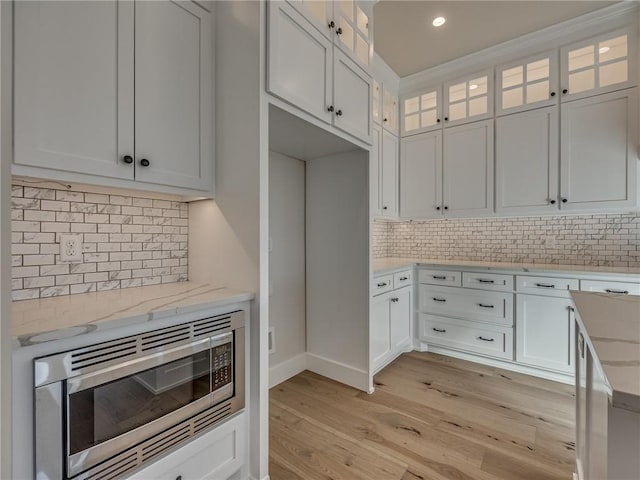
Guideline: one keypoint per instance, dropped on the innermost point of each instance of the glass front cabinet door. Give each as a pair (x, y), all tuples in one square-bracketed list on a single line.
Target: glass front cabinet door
[(469, 99), (421, 112)]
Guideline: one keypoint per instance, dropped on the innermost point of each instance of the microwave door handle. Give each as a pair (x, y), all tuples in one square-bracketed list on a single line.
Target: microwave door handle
[(131, 367)]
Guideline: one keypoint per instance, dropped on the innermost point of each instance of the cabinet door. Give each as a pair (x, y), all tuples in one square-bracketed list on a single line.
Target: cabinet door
[(390, 112), (351, 98), (527, 161), (469, 99), (380, 328), (421, 112), (599, 65), (468, 169), (73, 86), (421, 176), (599, 154), (389, 175), (299, 64), (401, 331), (174, 94), (545, 332), (526, 84), (317, 12), (353, 30), (377, 101), (375, 172)]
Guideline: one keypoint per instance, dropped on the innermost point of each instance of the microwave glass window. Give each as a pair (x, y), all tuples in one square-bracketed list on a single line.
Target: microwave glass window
[(111, 409)]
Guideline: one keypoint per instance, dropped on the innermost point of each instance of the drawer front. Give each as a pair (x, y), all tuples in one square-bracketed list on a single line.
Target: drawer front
[(488, 281), (623, 288), (382, 284), (471, 337), (467, 303), (440, 277), (402, 279), (548, 286)]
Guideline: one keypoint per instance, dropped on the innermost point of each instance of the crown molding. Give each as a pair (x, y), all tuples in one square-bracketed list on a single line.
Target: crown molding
[(554, 36)]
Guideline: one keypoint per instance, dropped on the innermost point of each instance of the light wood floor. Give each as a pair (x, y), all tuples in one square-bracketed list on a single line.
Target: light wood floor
[(431, 417)]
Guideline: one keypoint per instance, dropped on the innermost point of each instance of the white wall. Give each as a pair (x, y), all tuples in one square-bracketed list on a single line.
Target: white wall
[(228, 237), (5, 239), (286, 266), (338, 267)]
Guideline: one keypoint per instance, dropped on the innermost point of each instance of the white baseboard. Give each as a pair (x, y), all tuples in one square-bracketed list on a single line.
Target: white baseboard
[(354, 377), (514, 367), (287, 369)]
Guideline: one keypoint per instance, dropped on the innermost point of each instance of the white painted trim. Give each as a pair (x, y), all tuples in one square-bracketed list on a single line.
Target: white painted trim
[(287, 369), (354, 377), (408, 347), (534, 372), (584, 26)]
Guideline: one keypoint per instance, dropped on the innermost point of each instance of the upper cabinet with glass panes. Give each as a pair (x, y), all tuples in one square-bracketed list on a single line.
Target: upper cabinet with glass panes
[(528, 83), (346, 22), (421, 112), (468, 99), (598, 65)]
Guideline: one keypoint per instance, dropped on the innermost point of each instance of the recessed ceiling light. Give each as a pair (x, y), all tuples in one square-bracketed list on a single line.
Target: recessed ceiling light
[(438, 21), (473, 86), (604, 49)]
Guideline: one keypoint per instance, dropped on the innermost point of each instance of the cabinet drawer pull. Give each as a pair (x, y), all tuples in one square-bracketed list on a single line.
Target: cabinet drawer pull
[(439, 277), (439, 330), (403, 279), (545, 285), (382, 284), (483, 280), (485, 339), (621, 292), (436, 299), (484, 305)]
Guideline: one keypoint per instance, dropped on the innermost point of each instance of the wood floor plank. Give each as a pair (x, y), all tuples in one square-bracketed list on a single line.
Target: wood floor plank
[(431, 418)]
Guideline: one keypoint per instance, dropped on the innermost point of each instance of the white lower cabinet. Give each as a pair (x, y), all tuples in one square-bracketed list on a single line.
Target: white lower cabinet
[(390, 328), (216, 455), (545, 332)]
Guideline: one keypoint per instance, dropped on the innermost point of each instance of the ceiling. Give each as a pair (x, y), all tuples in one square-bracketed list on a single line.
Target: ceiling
[(405, 38)]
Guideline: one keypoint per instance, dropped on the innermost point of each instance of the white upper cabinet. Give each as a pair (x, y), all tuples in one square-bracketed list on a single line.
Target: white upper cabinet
[(73, 100), (173, 95), (389, 179), (300, 62), (468, 170), (390, 112), (599, 153), (469, 98), (599, 65), (115, 90), (351, 98), (528, 83), (375, 173), (347, 23), (421, 176), (421, 112), (527, 154), (376, 104)]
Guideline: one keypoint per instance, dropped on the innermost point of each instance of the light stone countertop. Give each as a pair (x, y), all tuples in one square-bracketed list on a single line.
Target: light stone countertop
[(612, 324), (48, 319), (388, 265)]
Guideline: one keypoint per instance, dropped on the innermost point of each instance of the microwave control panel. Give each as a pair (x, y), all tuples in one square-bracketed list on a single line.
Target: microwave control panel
[(222, 365)]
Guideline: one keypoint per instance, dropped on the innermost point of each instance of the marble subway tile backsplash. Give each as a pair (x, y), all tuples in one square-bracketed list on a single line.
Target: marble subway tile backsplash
[(597, 240), (126, 241)]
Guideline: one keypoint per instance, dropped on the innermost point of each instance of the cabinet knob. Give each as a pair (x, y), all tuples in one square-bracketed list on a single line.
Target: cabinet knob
[(339, 113), (552, 202), (128, 159), (332, 24), (330, 108), (339, 31), (564, 200), (553, 94), (446, 208), (446, 119), (438, 120), (385, 119), (144, 162), (565, 91), (179, 477), (438, 207)]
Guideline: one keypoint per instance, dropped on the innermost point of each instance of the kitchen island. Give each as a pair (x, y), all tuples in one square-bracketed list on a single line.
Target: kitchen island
[(607, 386)]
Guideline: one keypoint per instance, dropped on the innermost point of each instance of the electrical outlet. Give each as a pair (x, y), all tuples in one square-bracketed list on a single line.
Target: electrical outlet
[(71, 248)]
